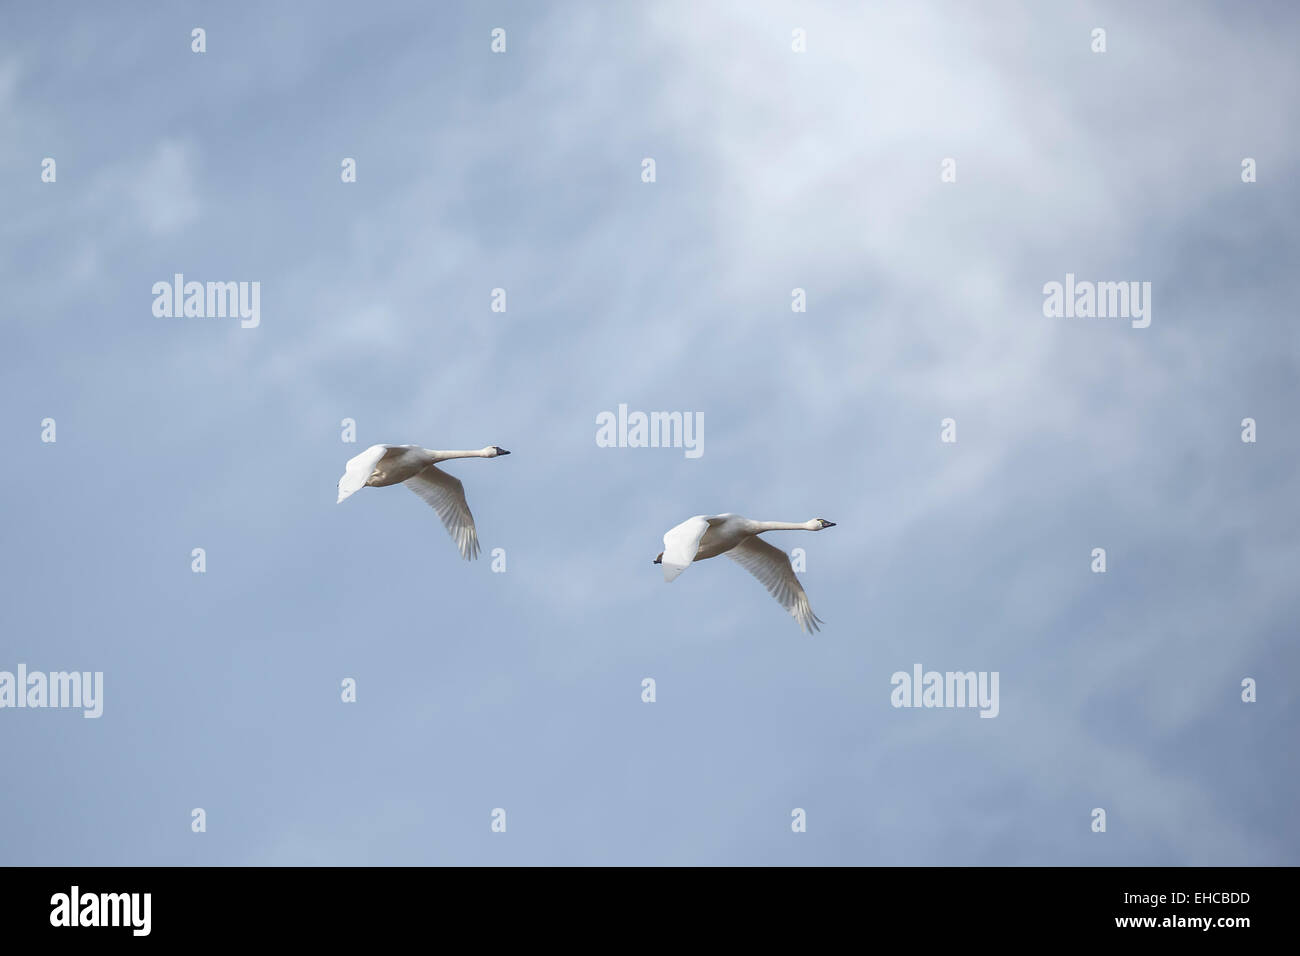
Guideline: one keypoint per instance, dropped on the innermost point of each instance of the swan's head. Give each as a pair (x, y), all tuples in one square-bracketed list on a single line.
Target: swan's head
[(822, 524), (496, 451)]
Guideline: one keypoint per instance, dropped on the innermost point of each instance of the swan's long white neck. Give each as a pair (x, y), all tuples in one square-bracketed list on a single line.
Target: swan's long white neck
[(761, 526), (446, 455)]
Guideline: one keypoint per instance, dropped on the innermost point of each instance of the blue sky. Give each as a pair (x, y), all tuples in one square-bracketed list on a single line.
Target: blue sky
[(521, 690)]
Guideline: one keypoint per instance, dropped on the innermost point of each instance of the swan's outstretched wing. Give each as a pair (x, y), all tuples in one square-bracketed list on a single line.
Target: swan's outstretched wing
[(447, 496), (681, 543), (771, 565), (360, 468)]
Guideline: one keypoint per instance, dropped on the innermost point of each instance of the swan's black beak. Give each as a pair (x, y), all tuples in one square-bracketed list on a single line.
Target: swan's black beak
[(827, 524), (500, 450), (660, 559)]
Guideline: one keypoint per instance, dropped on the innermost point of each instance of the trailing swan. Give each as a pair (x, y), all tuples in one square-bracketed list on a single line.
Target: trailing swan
[(416, 467)]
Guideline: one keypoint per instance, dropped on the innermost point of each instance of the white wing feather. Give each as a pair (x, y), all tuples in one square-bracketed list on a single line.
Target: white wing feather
[(360, 468), (446, 495), (772, 567), (681, 543)]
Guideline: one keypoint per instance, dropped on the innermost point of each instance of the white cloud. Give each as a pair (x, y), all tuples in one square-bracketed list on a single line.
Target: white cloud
[(163, 189)]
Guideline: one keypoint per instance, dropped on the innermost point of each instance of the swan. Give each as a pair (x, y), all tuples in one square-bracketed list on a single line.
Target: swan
[(416, 467), (707, 536)]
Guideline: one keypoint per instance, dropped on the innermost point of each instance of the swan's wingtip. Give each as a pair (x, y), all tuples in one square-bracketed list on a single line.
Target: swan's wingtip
[(810, 624)]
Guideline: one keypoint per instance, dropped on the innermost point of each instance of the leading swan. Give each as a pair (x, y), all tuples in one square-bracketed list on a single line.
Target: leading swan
[(707, 536)]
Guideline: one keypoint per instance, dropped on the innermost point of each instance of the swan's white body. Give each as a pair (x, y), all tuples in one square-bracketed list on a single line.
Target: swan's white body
[(707, 536), (416, 467)]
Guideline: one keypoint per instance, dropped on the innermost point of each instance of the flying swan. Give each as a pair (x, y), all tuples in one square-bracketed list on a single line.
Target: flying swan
[(707, 536), (416, 467)]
